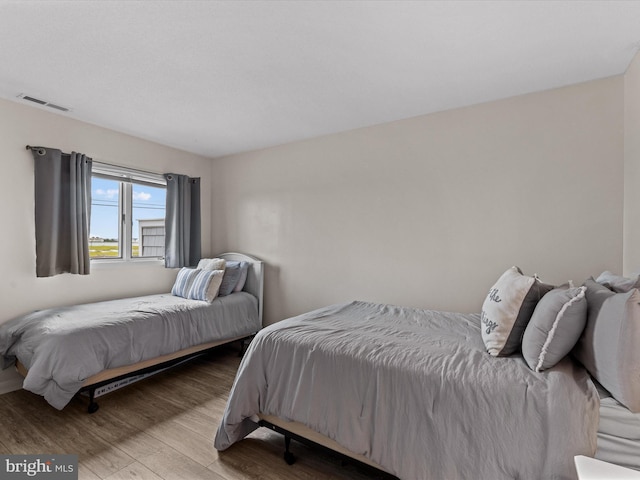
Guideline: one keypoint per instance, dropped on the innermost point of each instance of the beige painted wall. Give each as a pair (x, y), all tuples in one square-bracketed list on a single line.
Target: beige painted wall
[(429, 211), (632, 168), (20, 290)]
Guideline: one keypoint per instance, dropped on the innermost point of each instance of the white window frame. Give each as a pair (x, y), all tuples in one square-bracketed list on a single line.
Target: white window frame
[(127, 177)]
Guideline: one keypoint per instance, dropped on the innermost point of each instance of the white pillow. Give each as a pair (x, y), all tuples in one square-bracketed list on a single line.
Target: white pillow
[(211, 264), (507, 310)]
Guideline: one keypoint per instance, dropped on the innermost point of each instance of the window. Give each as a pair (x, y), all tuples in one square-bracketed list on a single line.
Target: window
[(127, 213)]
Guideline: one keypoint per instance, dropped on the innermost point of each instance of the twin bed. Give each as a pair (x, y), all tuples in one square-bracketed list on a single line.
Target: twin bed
[(410, 392), (63, 351)]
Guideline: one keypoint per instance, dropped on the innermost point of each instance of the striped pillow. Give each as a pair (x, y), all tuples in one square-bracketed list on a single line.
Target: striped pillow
[(205, 285), (183, 282), (196, 284)]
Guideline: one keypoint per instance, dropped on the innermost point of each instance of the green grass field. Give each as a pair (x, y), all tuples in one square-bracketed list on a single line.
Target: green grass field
[(106, 251)]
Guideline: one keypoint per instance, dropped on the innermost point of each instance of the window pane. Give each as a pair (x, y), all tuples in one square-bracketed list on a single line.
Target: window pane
[(104, 230), (148, 220)]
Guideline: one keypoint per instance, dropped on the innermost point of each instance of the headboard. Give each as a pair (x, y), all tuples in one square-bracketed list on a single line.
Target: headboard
[(255, 275)]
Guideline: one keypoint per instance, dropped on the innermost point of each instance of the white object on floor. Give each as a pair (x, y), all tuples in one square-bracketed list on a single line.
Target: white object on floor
[(591, 469)]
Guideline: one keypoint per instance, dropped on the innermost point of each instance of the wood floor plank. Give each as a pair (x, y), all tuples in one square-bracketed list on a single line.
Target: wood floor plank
[(157, 417), (197, 409), (4, 449), (171, 464), (182, 439), (241, 462), (186, 395), (23, 433), (72, 433), (160, 428), (135, 470), (116, 431), (85, 473), (198, 422)]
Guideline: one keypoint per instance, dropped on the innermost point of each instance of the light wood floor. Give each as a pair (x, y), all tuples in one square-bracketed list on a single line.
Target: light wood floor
[(160, 428)]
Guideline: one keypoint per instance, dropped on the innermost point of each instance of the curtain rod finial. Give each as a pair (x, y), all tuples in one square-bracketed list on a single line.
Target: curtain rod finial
[(38, 150)]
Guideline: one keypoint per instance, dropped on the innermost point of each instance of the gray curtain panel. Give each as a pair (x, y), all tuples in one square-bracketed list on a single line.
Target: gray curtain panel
[(182, 222), (62, 211)]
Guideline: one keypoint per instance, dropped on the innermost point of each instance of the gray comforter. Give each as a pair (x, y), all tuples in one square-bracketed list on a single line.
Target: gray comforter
[(415, 392), (62, 347)]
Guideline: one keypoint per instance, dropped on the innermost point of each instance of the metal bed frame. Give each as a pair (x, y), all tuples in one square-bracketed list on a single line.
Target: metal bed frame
[(302, 434)]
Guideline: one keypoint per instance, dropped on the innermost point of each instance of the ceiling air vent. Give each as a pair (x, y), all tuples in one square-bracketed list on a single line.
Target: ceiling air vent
[(43, 102)]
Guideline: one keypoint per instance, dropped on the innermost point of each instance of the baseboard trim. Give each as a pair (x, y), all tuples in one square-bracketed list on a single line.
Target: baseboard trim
[(11, 383)]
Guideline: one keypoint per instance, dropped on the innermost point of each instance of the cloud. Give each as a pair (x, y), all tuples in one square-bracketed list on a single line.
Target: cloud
[(109, 193), (144, 196)]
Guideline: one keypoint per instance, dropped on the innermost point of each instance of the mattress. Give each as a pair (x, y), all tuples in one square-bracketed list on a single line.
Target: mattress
[(62, 347), (618, 433)]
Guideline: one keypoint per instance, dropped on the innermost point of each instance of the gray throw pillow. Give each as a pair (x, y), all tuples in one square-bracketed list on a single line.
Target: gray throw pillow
[(507, 310), (244, 271), (555, 327), (232, 274), (618, 283), (609, 346)]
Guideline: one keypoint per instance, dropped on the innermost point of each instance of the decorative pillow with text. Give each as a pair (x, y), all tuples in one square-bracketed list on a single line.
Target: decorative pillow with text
[(507, 310)]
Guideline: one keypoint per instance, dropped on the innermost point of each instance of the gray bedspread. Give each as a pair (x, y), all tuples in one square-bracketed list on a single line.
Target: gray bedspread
[(415, 391), (62, 347)]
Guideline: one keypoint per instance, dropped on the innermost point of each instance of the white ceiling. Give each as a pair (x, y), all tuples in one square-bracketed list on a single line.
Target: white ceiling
[(220, 77)]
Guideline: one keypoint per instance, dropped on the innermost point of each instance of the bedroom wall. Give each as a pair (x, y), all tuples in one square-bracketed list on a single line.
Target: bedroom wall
[(20, 290), (632, 168), (429, 211)]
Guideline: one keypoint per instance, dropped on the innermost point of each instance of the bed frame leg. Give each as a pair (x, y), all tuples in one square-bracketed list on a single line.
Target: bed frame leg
[(93, 406), (244, 344), (288, 456)]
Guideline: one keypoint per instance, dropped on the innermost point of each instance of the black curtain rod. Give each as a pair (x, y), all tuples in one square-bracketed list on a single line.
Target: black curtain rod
[(40, 150)]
